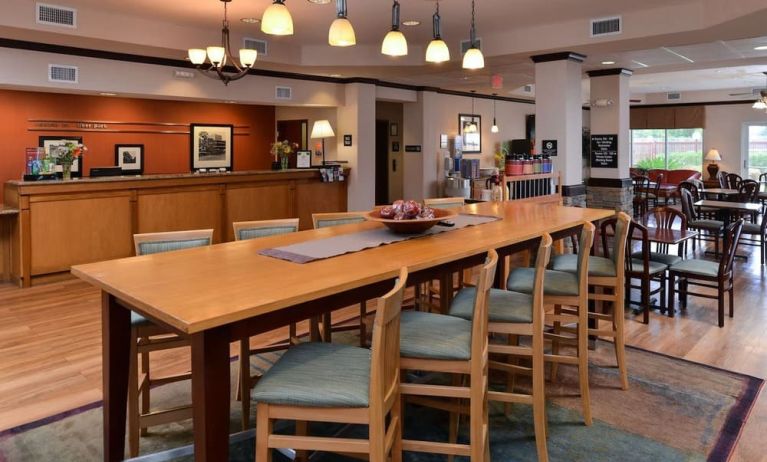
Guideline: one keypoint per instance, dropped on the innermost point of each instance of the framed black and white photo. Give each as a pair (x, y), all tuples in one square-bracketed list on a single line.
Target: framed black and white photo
[(211, 146), (393, 129), (347, 140), (130, 158), (443, 141), (395, 146), (303, 159), (54, 143), (470, 128)]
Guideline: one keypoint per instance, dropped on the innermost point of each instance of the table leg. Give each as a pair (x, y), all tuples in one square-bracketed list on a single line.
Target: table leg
[(115, 345), (445, 291), (210, 395)]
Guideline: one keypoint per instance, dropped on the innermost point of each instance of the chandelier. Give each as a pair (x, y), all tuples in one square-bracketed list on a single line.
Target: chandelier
[(221, 56)]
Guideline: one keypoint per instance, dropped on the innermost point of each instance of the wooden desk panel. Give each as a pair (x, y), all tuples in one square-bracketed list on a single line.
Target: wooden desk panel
[(179, 210), (267, 202)]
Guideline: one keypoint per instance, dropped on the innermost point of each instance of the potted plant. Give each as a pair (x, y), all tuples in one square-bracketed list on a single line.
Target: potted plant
[(67, 155)]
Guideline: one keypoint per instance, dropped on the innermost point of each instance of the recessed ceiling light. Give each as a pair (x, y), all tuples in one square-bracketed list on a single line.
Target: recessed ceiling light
[(761, 48), (411, 22), (607, 63), (104, 93), (250, 20), (319, 2)]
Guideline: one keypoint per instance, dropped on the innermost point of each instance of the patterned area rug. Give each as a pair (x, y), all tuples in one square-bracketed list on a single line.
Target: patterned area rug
[(675, 410)]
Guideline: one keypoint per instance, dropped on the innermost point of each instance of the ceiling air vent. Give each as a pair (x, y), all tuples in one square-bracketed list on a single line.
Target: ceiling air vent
[(606, 26), (52, 15), (283, 93), (466, 44), (673, 96), (255, 44), (61, 73), (527, 88)]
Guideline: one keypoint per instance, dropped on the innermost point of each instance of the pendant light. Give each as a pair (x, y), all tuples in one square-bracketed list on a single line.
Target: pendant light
[(437, 51), (494, 128), (472, 126), (761, 102), (277, 20), (473, 58), (394, 44), (341, 33)]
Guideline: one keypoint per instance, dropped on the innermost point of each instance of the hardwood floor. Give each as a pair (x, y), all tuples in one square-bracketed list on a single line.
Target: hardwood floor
[(50, 345)]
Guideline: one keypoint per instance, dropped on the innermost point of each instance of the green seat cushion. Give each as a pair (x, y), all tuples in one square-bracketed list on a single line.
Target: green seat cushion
[(709, 225), (653, 266), (318, 375), (137, 320), (148, 248), (701, 267), (434, 336), (254, 233), (503, 306), (554, 282), (598, 266), (659, 257), (752, 228), (338, 222)]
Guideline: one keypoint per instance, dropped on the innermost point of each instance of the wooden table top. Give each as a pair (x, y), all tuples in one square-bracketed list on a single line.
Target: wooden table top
[(666, 236), (722, 191), (743, 206), (197, 289)]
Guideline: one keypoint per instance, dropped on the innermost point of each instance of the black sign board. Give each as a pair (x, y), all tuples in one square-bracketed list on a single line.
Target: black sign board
[(412, 148), (549, 147), (604, 151)]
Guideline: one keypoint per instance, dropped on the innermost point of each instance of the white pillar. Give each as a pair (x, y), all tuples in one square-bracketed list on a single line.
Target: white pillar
[(357, 118)]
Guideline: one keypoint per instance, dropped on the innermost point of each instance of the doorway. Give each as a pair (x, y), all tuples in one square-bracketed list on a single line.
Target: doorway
[(382, 162), (295, 131), (756, 150)]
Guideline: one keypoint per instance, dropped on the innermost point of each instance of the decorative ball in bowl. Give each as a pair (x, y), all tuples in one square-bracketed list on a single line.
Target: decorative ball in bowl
[(409, 217)]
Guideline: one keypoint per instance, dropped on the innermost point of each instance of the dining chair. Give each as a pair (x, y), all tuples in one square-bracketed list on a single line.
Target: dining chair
[(748, 192), (641, 185), (515, 314), (147, 337), (327, 220), (695, 187), (641, 266), (722, 178), (758, 233), (715, 275), (666, 218), (605, 273), (246, 230), (331, 382), (570, 289), (440, 343), (762, 195), (653, 196), (733, 180), (695, 221)]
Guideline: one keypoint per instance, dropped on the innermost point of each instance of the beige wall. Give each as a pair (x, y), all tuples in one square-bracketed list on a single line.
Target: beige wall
[(725, 131)]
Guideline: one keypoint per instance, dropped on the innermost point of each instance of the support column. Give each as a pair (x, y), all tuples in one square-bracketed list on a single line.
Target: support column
[(611, 187), (559, 117), (357, 118)]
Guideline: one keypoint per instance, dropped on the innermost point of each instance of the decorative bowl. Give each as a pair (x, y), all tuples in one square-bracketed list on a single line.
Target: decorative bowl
[(411, 226)]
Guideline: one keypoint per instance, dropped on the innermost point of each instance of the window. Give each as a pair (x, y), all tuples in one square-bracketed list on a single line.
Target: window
[(674, 149), (757, 151)]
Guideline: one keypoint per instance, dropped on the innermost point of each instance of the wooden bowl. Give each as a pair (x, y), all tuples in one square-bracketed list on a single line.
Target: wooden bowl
[(411, 226)]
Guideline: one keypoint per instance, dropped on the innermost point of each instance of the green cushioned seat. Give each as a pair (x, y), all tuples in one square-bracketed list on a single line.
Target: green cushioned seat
[(148, 248), (434, 336), (654, 266), (701, 267), (709, 225), (254, 233), (664, 258), (598, 266), (318, 375), (554, 282), (752, 228), (340, 221), (503, 306)]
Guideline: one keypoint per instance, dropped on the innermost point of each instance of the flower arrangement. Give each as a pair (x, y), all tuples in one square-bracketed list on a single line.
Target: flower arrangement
[(66, 155), (282, 149)]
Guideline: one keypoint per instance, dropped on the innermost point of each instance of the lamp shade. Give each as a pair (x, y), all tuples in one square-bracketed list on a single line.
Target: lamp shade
[(473, 59), (322, 129), (341, 33), (713, 155), (437, 51), (248, 56), (394, 44), (216, 54), (277, 19), (197, 56)]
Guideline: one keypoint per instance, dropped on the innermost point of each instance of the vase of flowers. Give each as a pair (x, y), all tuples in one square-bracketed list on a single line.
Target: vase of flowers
[(281, 151), (66, 156)]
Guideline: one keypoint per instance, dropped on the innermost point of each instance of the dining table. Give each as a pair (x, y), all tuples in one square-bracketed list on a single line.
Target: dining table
[(227, 292), (726, 209)]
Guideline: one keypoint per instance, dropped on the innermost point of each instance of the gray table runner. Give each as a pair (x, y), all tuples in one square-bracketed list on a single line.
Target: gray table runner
[(318, 249)]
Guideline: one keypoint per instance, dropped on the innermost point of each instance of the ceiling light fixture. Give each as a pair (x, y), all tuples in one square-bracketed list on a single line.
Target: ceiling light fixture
[(341, 33), (411, 22), (761, 48), (250, 20), (608, 63), (473, 58), (494, 128), (395, 43), (276, 19), (471, 127), (319, 2), (761, 102), (437, 51), (220, 56)]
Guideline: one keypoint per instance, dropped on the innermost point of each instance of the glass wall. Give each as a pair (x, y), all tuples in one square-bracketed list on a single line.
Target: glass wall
[(676, 149)]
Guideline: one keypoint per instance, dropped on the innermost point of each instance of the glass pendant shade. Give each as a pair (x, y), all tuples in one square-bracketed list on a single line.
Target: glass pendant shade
[(759, 105), (394, 44), (277, 19), (473, 59), (437, 51), (248, 56), (494, 128), (341, 33), (197, 56), (216, 55)]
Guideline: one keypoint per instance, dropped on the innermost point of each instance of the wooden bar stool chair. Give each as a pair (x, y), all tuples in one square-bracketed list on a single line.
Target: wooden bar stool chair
[(326, 220), (245, 230), (147, 337), (565, 288), (438, 343), (328, 382), (516, 314)]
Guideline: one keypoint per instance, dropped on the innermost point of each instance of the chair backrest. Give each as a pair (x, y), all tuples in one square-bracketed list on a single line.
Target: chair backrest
[(479, 331), (244, 230), (384, 365), (149, 243), (444, 202), (763, 177), (722, 177), (730, 247), (690, 186), (748, 191), (688, 207), (658, 181), (665, 217), (326, 220), (733, 180), (641, 187), (638, 229), (617, 252), (697, 182)]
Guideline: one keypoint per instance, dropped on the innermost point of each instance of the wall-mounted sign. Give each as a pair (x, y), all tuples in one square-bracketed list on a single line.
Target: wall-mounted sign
[(549, 147), (604, 151), (412, 148), (347, 140)]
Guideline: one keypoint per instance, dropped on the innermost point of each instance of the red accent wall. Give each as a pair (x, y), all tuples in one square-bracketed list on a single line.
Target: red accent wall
[(162, 153)]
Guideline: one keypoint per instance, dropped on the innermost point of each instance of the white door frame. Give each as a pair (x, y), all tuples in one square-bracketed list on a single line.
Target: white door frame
[(744, 155)]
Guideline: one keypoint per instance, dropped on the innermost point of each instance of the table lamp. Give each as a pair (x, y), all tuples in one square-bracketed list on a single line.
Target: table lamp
[(713, 157), (322, 129)]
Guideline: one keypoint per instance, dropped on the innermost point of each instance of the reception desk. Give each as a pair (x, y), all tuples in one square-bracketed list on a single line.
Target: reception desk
[(60, 224)]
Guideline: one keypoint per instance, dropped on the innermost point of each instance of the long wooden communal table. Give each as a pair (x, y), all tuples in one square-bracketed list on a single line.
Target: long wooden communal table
[(226, 292)]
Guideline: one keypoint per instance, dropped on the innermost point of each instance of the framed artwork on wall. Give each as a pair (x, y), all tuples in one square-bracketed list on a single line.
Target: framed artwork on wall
[(211, 146), (393, 129), (54, 143), (130, 158), (470, 128), (303, 159), (395, 146)]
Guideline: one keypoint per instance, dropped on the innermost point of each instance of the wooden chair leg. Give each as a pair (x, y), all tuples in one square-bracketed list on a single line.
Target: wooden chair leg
[(363, 326), (302, 429), (555, 344), (720, 304), (396, 418), (732, 299), (670, 295), (513, 340), (539, 398), (583, 362), (263, 430), (145, 387), (620, 340), (243, 385), (133, 396), (645, 299), (478, 418), (327, 328)]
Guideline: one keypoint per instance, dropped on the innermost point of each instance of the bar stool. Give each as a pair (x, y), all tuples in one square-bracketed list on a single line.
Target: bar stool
[(568, 289), (328, 382), (147, 337), (516, 314), (440, 343)]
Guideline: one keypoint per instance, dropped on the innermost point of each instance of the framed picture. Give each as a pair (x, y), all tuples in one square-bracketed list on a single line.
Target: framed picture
[(395, 146), (303, 159), (347, 140), (470, 128), (211, 146), (130, 158), (443, 141), (54, 143), (393, 129)]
